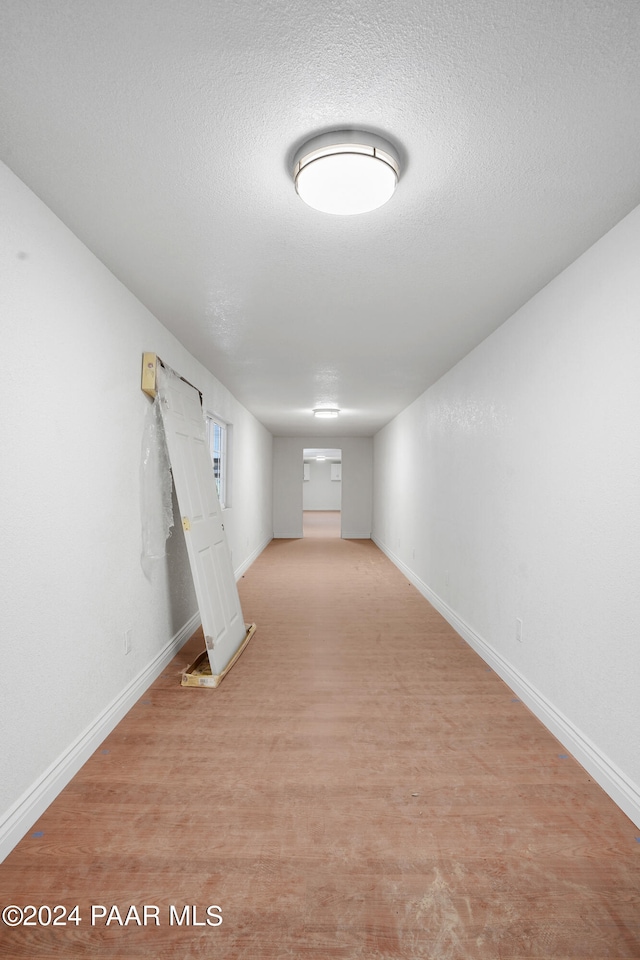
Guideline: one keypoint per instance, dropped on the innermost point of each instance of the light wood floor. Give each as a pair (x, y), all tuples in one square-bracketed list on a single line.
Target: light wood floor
[(360, 786), (321, 523)]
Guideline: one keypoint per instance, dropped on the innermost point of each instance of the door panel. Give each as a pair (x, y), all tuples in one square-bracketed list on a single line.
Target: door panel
[(213, 578)]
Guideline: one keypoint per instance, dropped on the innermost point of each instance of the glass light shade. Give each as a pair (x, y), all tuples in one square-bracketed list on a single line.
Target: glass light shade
[(346, 183), (346, 173), (326, 413)]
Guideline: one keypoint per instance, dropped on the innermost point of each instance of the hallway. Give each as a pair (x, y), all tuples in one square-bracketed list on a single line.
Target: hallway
[(361, 786), (321, 524)]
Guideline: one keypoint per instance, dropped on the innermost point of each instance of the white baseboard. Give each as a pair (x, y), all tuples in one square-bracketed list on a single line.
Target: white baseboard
[(242, 569), (34, 801), (623, 791)]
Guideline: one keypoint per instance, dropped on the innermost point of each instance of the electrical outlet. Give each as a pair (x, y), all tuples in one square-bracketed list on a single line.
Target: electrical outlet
[(518, 630), (127, 642)]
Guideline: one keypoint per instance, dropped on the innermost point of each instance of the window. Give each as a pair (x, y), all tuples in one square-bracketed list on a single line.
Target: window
[(217, 433)]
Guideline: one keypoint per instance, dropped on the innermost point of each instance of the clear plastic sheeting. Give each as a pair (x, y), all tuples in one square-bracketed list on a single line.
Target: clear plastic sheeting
[(156, 506)]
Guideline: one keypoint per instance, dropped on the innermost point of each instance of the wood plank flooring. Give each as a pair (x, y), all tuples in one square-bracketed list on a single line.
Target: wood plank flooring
[(321, 523), (361, 786)]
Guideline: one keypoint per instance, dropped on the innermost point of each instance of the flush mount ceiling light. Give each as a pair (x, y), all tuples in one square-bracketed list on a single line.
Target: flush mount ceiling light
[(346, 172), (326, 413)]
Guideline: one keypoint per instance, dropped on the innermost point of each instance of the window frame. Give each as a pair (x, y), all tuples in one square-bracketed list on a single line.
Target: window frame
[(218, 443)]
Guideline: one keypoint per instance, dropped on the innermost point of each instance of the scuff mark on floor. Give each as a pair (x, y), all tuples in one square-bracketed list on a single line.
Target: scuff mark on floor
[(444, 925)]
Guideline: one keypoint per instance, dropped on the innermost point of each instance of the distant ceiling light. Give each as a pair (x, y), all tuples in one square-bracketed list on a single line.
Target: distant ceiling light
[(326, 413), (321, 458), (346, 172)]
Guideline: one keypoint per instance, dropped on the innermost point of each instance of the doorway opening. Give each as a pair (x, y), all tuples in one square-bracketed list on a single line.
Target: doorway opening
[(322, 492)]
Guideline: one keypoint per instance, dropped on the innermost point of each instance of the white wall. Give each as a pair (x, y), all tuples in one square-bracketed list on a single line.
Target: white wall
[(72, 339), (511, 489), (320, 492), (357, 480)]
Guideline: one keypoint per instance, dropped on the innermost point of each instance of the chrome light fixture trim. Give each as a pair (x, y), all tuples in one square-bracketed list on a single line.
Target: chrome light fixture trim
[(346, 172), (326, 413)]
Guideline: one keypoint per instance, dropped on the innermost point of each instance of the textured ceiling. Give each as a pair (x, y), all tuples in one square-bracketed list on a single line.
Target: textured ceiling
[(162, 132)]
